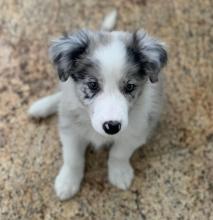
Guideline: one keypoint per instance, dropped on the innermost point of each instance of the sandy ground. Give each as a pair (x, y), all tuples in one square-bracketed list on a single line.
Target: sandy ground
[(173, 173)]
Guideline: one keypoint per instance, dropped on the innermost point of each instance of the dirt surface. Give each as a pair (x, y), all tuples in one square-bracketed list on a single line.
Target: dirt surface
[(173, 173)]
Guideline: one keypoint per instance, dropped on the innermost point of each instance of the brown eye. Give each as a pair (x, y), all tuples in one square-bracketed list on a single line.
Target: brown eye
[(93, 86), (129, 88)]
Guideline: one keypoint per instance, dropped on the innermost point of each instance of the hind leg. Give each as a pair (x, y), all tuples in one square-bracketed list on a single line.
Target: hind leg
[(45, 107)]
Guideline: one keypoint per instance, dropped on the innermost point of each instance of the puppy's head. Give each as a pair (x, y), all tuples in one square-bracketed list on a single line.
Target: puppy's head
[(109, 71)]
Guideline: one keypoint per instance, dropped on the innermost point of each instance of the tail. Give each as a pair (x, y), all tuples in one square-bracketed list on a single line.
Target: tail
[(45, 107), (109, 21)]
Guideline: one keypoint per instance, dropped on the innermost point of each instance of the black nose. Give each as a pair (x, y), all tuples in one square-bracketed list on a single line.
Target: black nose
[(112, 127)]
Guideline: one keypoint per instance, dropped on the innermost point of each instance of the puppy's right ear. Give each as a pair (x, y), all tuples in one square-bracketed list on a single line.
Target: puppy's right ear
[(66, 51)]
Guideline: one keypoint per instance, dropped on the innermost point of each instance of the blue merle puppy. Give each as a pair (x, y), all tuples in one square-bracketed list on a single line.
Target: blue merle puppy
[(110, 91)]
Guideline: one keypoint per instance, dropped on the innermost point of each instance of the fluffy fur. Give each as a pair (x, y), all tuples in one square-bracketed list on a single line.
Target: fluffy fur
[(111, 91)]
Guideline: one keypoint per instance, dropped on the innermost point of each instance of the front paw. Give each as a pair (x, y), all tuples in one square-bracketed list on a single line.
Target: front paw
[(68, 181), (120, 173)]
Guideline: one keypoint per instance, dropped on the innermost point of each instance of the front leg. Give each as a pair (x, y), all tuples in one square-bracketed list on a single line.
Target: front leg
[(120, 171), (68, 181)]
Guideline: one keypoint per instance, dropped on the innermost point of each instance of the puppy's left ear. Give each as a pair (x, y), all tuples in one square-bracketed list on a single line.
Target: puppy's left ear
[(150, 53)]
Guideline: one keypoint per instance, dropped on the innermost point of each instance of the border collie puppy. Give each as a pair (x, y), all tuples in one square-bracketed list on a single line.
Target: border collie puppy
[(110, 92)]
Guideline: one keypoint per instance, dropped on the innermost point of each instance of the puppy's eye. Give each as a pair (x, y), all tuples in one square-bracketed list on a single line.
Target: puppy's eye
[(129, 88), (93, 86)]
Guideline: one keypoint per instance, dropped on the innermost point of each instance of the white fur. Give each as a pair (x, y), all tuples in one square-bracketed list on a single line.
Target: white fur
[(45, 107), (75, 137), (80, 125), (111, 104), (109, 21)]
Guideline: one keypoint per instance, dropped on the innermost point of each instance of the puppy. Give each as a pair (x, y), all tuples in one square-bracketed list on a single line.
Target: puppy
[(110, 92)]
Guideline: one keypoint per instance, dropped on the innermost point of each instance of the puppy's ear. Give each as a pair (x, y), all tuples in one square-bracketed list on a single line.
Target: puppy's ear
[(66, 51), (149, 53)]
